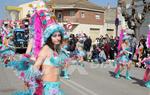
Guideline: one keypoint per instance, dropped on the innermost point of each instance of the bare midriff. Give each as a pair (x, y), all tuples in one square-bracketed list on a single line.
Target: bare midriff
[(50, 73)]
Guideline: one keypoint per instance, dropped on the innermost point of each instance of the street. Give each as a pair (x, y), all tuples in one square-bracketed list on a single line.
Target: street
[(90, 80)]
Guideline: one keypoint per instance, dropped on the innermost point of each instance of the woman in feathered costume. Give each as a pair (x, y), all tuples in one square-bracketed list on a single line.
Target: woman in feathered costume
[(7, 51), (48, 59), (123, 56), (42, 75), (146, 61)]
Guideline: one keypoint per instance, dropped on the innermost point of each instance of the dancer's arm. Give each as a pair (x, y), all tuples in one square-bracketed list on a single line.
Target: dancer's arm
[(29, 47), (41, 58), (127, 52)]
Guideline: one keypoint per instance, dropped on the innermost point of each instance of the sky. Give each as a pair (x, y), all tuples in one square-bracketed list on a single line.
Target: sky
[(3, 3), (111, 3)]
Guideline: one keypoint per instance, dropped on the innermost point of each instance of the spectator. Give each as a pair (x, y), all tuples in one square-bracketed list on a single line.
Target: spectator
[(112, 46), (87, 44), (107, 49), (102, 55), (72, 43), (95, 53)]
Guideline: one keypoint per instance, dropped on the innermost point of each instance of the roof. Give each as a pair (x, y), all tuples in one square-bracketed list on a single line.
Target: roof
[(78, 4)]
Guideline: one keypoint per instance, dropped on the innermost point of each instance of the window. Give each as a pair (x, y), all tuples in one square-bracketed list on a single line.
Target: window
[(110, 29), (72, 13), (94, 29), (59, 15), (82, 15), (97, 16)]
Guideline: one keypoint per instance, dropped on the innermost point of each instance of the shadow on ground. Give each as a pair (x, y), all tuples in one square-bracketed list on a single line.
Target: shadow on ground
[(136, 81)]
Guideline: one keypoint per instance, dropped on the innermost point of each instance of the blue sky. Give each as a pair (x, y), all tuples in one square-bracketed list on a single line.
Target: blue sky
[(4, 3), (112, 3)]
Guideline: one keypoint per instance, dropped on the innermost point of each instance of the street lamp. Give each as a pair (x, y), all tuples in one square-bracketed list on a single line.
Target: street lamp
[(117, 24)]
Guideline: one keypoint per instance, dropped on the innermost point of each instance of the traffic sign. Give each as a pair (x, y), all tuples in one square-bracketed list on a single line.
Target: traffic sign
[(69, 26)]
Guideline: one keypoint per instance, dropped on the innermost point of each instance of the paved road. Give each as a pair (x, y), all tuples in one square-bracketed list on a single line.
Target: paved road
[(91, 80)]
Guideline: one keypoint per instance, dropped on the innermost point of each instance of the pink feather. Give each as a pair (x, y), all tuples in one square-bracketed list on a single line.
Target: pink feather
[(148, 39), (39, 27), (120, 39), (38, 35)]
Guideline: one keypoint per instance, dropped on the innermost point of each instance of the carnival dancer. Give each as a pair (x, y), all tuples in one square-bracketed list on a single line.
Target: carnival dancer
[(146, 61), (141, 51), (146, 78), (123, 58), (65, 55), (19, 61), (5, 31), (34, 45), (80, 53), (7, 51), (48, 61), (52, 60)]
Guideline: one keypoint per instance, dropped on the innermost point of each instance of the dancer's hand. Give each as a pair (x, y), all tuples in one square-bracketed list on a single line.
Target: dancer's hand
[(138, 64)]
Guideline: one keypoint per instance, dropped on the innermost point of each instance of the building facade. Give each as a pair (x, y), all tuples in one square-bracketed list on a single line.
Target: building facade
[(84, 16), (109, 21)]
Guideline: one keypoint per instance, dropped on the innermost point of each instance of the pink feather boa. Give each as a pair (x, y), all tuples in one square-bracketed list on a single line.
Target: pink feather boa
[(148, 39), (37, 21), (38, 34), (120, 39)]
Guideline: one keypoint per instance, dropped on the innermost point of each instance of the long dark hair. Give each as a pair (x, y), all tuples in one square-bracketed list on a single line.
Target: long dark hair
[(51, 44)]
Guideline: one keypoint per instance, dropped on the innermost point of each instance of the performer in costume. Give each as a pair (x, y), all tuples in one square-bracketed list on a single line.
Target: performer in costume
[(146, 78), (18, 60), (146, 61), (65, 55), (7, 51), (123, 57), (140, 51), (48, 62), (80, 53), (5, 31), (48, 59)]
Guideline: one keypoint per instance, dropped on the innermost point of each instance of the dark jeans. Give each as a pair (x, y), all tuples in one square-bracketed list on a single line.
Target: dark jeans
[(112, 54), (99, 60)]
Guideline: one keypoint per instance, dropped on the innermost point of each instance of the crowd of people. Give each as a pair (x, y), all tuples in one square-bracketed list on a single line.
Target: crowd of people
[(106, 48), (50, 50)]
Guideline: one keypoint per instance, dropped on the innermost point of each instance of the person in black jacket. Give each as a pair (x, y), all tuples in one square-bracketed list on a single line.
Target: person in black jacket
[(87, 44)]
